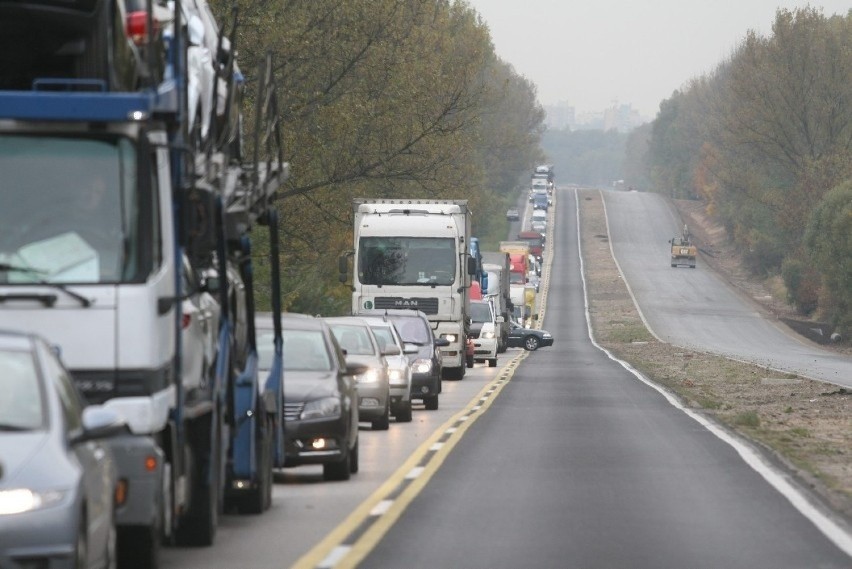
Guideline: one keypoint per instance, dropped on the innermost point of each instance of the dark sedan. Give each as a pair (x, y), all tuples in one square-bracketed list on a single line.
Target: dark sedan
[(320, 402), (528, 338)]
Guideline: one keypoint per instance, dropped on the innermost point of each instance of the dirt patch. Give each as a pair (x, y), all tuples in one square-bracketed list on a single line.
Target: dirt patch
[(806, 425)]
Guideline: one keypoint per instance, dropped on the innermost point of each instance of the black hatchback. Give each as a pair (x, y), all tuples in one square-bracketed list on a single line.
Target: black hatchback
[(426, 365)]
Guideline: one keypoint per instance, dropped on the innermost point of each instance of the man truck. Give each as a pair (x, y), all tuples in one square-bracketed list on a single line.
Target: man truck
[(111, 221), (414, 253)]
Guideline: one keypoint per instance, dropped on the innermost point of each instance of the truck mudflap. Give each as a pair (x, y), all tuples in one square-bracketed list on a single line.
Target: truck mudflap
[(140, 464), (244, 465)]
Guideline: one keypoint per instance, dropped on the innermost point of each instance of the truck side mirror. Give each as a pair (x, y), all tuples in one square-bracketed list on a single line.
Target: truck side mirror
[(471, 266), (343, 265)]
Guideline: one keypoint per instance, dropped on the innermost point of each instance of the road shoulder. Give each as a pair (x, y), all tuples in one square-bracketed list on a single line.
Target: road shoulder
[(805, 425)]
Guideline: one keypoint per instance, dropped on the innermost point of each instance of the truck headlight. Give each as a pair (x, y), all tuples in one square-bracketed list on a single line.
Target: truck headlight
[(450, 337), (318, 408), (422, 366), (21, 500)]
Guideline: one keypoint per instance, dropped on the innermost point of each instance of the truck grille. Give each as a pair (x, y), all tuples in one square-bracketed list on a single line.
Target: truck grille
[(292, 411), (425, 305)]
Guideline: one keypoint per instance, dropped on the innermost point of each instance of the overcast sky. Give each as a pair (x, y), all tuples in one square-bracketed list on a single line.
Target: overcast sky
[(592, 53)]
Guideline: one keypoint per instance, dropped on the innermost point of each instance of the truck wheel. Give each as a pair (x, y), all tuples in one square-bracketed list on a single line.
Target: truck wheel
[(431, 402), (256, 501), (138, 547), (492, 362), (198, 526)]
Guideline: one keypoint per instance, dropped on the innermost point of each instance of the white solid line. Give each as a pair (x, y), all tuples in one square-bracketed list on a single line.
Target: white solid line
[(775, 477)]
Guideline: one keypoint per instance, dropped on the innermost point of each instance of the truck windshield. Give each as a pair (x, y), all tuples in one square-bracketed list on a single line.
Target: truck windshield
[(68, 210), (407, 261)]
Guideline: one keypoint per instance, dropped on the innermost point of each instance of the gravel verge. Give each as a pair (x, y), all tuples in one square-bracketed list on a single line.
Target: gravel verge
[(805, 425)]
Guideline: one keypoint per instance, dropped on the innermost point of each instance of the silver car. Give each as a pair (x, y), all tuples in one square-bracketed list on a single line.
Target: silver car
[(57, 476), (399, 367), (359, 343)]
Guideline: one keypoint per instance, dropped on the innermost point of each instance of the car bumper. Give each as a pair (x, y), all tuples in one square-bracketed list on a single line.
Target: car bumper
[(484, 349), (302, 441), (43, 538), (424, 384), (544, 342), (372, 400)]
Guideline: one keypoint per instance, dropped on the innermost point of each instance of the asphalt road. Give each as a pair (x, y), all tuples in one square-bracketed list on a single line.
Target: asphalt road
[(572, 462), (579, 464), (694, 307)]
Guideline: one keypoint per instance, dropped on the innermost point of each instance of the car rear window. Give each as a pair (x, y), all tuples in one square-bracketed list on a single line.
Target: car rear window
[(412, 329), (21, 406), (305, 350), (354, 339)]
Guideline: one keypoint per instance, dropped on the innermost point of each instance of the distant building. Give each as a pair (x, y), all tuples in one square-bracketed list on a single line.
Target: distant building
[(559, 116), (622, 118)]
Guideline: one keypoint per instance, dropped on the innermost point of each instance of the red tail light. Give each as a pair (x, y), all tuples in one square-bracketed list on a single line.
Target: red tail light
[(137, 27)]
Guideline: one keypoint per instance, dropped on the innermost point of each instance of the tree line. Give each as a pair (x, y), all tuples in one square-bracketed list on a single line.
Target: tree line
[(383, 99), (766, 141)]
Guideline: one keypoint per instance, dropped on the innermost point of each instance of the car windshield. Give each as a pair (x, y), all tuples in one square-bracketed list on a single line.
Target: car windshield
[(70, 211), (265, 349), (384, 336), (305, 350), (21, 404), (407, 261), (354, 339), (412, 330), (480, 312)]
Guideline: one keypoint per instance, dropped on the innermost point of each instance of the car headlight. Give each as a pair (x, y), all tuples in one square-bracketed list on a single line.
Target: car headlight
[(396, 376), (369, 376), (318, 408), (422, 366), (546, 335), (450, 337), (20, 500), (488, 335)]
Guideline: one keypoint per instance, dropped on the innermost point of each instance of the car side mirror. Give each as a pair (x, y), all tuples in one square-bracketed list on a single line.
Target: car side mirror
[(391, 350), (441, 342), (356, 369), (100, 422)]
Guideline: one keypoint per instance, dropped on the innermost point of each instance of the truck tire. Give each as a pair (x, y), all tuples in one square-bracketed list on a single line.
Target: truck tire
[(258, 499), (431, 402), (138, 547), (198, 526)]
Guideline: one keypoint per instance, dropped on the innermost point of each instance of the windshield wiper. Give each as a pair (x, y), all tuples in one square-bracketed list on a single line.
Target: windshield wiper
[(13, 428), (29, 270)]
